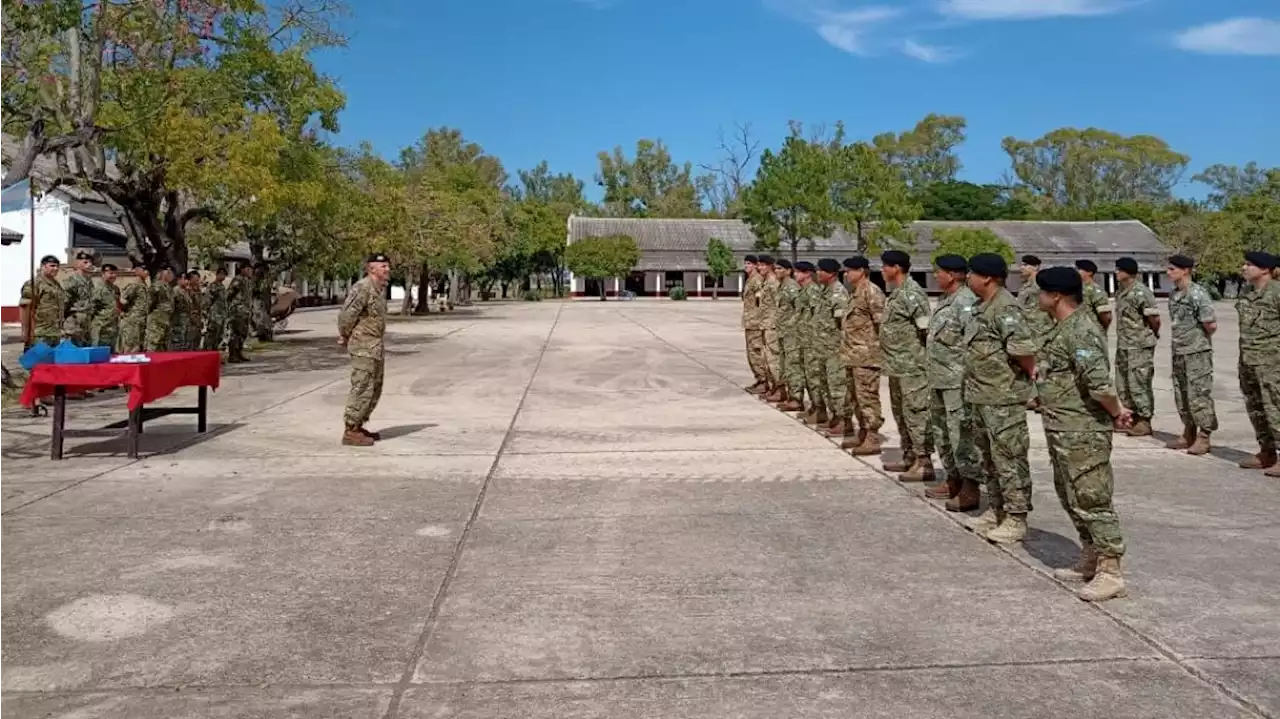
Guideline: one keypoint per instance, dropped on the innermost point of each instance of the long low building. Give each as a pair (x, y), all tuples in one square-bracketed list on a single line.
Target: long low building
[(673, 252)]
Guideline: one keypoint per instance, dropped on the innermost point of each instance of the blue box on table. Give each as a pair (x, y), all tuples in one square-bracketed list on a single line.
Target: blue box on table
[(38, 353), (68, 353)]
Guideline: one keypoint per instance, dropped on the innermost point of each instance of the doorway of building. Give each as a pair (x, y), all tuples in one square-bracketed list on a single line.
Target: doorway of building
[(635, 283)]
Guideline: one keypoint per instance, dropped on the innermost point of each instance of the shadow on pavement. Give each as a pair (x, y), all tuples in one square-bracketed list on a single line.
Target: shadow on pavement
[(1226, 454), (402, 430), (1052, 550)]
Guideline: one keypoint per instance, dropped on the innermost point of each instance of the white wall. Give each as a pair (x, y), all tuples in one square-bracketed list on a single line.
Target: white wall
[(52, 237)]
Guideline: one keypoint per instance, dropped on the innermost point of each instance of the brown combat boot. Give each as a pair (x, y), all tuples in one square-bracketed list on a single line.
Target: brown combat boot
[(356, 438), (375, 436), (1140, 428), (1107, 583), (792, 405), (902, 465), (872, 445), (968, 499), (834, 428), (920, 471), (755, 388), (1200, 446), (947, 489), (818, 418), (1183, 442), (779, 395), (855, 440), (1262, 460), (1084, 569)]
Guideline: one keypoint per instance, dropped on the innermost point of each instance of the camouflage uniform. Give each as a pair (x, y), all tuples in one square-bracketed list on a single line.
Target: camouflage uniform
[(906, 316), (1096, 301), (769, 324), (792, 362), (363, 322), (997, 391), (135, 299), (1038, 322), (160, 316), (104, 319), (216, 324), (79, 291), (50, 300), (813, 301), (1193, 357), (264, 326), (239, 308), (945, 353), (1074, 372), (180, 321), (1136, 349), (861, 354), (826, 341), (1259, 369), (195, 319), (753, 325)]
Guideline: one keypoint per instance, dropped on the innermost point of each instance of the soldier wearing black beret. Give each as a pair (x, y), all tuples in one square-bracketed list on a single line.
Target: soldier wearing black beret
[(1029, 301), (1194, 322), (753, 326), (1137, 332), (1095, 298), (362, 324), (769, 286), (902, 337), (863, 360), (945, 356), (830, 306), (789, 393), (1258, 307)]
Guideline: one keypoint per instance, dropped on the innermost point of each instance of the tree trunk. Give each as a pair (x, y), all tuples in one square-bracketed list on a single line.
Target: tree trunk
[(424, 280), (795, 250), (602, 292), (406, 304), (453, 288), (715, 288)]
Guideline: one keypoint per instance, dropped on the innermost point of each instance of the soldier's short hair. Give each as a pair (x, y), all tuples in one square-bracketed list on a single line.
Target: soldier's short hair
[(220, 271), (108, 267), (193, 275)]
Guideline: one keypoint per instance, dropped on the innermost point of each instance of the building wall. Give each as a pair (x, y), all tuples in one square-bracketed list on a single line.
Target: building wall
[(52, 232)]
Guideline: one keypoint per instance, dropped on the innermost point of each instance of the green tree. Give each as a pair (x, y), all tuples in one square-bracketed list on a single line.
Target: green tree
[(1227, 182), (790, 199), (925, 154), (871, 199), (720, 262), (967, 242), (649, 185), (600, 258), (967, 201)]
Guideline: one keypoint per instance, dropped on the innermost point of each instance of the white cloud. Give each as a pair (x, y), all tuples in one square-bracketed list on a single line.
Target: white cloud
[(1236, 36), (851, 31), (929, 53), (1029, 9)]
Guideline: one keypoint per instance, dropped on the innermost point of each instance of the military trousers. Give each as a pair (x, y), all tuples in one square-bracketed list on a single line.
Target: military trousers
[(863, 397), (815, 374), (366, 390), (1260, 385), (953, 434), (157, 334), (104, 335), (1082, 476), (792, 364), (909, 399), (133, 336), (76, 328), (756, 355), (1135, 369), (772, 355), (213, 335), (239, 327), (1193, 390), (837, 382), (1000, 432), (179, 339)]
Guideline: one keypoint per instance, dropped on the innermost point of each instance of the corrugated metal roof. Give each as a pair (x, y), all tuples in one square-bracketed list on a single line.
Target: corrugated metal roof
[(10, 235)]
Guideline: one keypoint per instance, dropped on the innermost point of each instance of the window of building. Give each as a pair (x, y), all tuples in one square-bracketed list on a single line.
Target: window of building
[(708, 281), (673, 279)]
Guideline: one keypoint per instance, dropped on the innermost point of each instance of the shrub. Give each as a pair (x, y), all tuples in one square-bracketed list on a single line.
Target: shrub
[(678, 293), (531, 296)]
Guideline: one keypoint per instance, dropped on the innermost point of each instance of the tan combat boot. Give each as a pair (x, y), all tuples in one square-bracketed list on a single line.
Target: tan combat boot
[(834, 428), (853, 441), (1140, 428), (968, 499), (908, 459), (792, 405), (1013, 529), (1262, 460), (920, 471), (872, 445), (1107, 583), (947, 489), (1183, 442), (820, 417), (356, 438), (755, 388), (375, 436), (986, 521), (1084, 569), (1200, 446)]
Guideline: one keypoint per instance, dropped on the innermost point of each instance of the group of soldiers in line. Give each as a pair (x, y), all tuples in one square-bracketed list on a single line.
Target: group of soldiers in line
[(962, 376), (172, 312)]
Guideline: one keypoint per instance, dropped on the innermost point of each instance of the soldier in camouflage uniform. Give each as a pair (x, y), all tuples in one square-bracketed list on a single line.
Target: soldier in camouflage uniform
[(815, 376), (945, 352), (263, 284), (1080, 407), (161, 314), (135, 305), (752, 325), (104, 318), (1259, 310), (999, 364), (79, 290), (788, 316), (1137, 332), (862, 357), (216, 302), (1194, 322), (1095, 298), (769, 326), (196, 317), (239, 308), (902, 336), (827, 315), (180, 319), (44, 305), (362, 322), (1038, 322)]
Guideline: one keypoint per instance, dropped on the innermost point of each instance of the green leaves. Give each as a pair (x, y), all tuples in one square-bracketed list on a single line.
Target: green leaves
[(790, 199), (867, 190), (720, 259), (968, 242), (602, 257), (648, 185)]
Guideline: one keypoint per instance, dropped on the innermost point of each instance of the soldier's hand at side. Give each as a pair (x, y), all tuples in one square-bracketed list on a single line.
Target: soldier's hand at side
[(1124, 420), (342, 341)]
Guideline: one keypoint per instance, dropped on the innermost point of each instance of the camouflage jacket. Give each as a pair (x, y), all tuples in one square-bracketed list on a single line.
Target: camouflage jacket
[(906, 317), (997, 334), (1189, 309), (363, 319), (945, 349), (135, 299), (162, 303), (828, 313), (1095, 298), (240, 296), (1073, 374), (216, 302), (105, 313), (860, 330), (51, 306), (752, 316), (808, 305), (1259, 311), (769, 302), (79, 290), (1038, 322), (1134, 304), (195, 312), (788, 311)]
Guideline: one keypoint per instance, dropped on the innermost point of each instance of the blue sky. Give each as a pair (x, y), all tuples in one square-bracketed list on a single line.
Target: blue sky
[(561, 80)]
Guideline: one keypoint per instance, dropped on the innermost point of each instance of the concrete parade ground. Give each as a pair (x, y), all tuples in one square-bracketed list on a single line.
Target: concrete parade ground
[(577, 512)]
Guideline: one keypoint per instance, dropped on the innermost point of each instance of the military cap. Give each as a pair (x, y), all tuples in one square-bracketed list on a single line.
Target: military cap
[(897, 258), (765, 259), (1127, 264), (1087, 265), (988, 264), (784, 263), (804, 266), (1063, 280), (50, 258), (952, 263), (1182, 261), (1261, 260), (82, 255), (1031, 260), (108, 267), (377, 257), (750, 258), (826, 264)]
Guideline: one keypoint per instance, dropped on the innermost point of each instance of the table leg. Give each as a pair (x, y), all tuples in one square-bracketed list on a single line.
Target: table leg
[(202, 417), (59, 421), (135, 428)]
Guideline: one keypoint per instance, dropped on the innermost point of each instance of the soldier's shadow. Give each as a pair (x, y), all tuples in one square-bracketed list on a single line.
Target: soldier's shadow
[(1226, 454), (402, 430), (1051, 549)]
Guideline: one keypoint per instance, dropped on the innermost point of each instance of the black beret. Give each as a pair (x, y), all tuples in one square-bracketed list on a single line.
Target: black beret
[(1127, 264), (804, 266), (108, 267), (50, 258), (377, 257), (765, 259), (988, 264), (1261, 260), (857, 262), (826, 264), (1062, 280), (1031, 260), (1087, 265), (82, 255), (750, 258), (897, 258), (1182, 261), (784, 263), (952, 263)]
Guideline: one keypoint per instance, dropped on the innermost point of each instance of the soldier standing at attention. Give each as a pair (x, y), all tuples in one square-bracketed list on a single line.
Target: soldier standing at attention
[(945, 354), (788, 316), (79, 290), (135, 302), (180, 320), (1080, 407), (264, 326), (44, 305), (1259, 310), (199, 311), (1137, 331), (903, 336), (240, 308), (833, 299), (862, 358), (1194, 322), (1038, 322), (216, 302), (362, 322), (104, 320), (815, 375), (752, 324), (999, 364), (161, 314), (769, 326), (1095, 298)]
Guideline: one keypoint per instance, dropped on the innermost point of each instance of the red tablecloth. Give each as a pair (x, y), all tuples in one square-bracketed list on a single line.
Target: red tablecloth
[(147, 383)]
